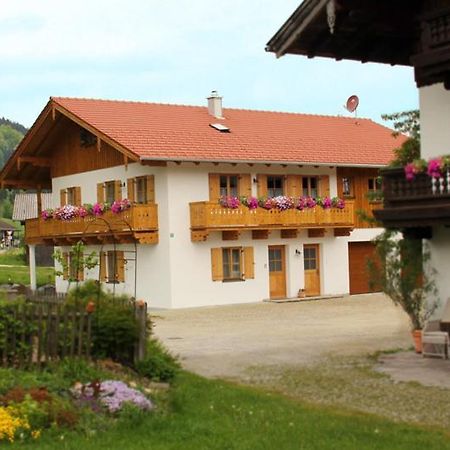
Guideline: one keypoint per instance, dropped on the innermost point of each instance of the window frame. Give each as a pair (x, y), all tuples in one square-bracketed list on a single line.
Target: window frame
[(109, 185), (230, 262), (351, 184), (228, 184), (273, 194), (143, 191), (112, 254), (309, 189)]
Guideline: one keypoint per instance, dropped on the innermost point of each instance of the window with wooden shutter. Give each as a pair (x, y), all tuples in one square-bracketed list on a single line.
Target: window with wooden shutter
[(63, 197), (117, 190), (245, 185), (150, 181), (310, 187), (120, 263), (293, 186), (131, 186), (216, 264), (100, 192), (214, 190), (275, 185), (110, 191), (115, 262), (77, 195), (102, 267), (249, 271), (262, 185), (65, 264), (75, 267), (324, 186)]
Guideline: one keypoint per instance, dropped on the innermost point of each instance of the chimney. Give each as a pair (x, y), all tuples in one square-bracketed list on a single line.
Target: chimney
[(215, 105)]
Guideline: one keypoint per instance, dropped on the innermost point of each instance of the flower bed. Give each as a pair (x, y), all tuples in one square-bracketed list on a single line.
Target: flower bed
[(435, 168), (69, 212), (282, 203)]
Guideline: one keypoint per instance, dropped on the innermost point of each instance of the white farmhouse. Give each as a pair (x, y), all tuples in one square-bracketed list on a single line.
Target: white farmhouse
[(191, 206)]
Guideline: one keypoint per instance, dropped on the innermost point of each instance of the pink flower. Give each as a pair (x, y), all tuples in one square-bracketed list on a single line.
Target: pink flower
[(98, 209), (434, 168), (116, 207), (47, 214), (340, 203), (82, 211), (252, 203), (410, 171), (327, 203), (310, 202)]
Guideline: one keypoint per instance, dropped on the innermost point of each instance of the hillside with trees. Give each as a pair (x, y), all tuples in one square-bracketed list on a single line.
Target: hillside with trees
[(11, 133)]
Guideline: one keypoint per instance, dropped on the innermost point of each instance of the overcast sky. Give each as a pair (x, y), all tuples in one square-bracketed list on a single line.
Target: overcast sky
[(177, 51)]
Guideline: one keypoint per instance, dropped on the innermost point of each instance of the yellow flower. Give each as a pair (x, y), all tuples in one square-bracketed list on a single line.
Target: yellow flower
[(36, 434), (10, 423)]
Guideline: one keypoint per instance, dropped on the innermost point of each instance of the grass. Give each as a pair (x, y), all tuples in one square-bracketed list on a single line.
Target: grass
[(14, 257), (352, 383), (21, 274), (215, 415)]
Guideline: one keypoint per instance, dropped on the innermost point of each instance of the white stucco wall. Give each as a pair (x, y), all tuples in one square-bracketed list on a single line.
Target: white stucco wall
[(434, 120), (176, 272)]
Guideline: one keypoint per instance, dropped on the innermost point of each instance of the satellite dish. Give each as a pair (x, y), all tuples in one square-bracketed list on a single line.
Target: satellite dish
[(352, 103)]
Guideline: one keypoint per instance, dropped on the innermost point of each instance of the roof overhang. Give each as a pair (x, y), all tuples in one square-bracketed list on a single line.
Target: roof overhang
[(29, 167), (399, 32)]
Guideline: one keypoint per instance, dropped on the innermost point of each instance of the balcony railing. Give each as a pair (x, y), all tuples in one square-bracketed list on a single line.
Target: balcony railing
[(421, 202), (140, 222), (210, 216)]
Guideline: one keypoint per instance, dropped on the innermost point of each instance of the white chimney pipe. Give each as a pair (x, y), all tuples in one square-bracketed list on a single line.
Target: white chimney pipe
[(215, 105)]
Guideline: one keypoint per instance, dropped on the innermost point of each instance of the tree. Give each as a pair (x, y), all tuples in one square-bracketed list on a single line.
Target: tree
[(406, 122)]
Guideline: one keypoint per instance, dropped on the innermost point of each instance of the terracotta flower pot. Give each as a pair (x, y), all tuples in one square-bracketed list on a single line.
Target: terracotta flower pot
[(417, 336)]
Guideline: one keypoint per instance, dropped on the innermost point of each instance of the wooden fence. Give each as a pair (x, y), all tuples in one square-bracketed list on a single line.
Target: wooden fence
[(40, 330)]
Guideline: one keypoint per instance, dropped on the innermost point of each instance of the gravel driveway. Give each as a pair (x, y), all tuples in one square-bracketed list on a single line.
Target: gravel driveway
[(224, 341)]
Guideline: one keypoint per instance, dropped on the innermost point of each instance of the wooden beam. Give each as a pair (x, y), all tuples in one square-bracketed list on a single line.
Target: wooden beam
[(230, 235), (36, 161), (342, 232), (154, 163), (199, 235), (23, 184), (289, 234), (316, 232), (260, 234)]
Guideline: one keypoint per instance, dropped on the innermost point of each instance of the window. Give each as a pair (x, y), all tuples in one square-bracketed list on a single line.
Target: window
[(71, 196), (275, 186), (275, 259), (232, 263), (229, 185), (310, 257), (112, 266), (347, 187), (141, 190), (373, 184), (110, 191), (310, 187), (72, 267)]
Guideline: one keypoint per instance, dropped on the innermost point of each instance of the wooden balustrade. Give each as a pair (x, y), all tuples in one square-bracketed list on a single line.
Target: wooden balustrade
[(210, 216), (421, 202), (140, 223)]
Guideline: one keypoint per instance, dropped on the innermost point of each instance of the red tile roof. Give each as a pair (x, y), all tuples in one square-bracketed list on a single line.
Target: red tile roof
[(179, 132)]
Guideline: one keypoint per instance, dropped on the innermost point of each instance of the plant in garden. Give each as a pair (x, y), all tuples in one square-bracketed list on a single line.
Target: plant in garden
[(120, 205), (11, 423), (401, 270)]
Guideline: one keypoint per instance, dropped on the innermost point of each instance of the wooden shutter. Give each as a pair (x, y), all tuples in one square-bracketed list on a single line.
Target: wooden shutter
[(216, 264), (63, 197), (214, 187), (150, 188), (100, 192), (245, 185), (102, 267), (249, 271), (117, 190), (120, 266), (324, 186), (77, 195), (293, 185), (262, 185), (131, 183), (65, 264)]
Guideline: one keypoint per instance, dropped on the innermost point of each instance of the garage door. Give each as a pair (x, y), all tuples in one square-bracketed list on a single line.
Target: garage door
[(358, 254)]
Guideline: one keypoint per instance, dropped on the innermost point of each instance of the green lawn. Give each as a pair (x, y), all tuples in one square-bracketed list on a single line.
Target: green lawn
[(14, 257), (214, 415), (21, 274)]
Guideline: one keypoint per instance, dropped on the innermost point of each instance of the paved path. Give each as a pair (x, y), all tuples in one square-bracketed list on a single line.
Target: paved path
[(224, 341)]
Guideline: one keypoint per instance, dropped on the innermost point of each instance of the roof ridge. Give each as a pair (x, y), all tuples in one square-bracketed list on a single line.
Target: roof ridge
[(204, 107)]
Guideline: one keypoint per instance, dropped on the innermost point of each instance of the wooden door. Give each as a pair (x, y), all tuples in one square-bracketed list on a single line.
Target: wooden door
[(358, 255), (277, 271), (311, 257)]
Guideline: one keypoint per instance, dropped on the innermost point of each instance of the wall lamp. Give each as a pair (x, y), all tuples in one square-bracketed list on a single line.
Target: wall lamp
[(297, 252)]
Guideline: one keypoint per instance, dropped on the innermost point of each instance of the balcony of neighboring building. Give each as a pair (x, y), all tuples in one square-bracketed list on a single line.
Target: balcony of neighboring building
[(418, 203), (138, 223)]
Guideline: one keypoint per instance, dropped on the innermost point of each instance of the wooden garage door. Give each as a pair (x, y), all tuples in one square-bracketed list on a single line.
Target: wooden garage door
[(358, 254)]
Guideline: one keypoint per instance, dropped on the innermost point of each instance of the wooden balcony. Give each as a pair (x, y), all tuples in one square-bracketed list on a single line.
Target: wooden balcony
[(419, 203), (210, 216), (137, 224)]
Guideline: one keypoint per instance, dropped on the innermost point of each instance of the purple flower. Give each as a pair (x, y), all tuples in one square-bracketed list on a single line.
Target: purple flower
[(229, 202), (282, 203), (434, 168), (98, 209), (340, 203), (47, 214), (114, 394), (327, 203), (410, 171), (310, 202), (252, 203)]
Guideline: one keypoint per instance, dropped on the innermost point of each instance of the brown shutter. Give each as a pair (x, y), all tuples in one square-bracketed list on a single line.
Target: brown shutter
[(100, 192), (245, 185), (117, 190), (77, 195), (131, 182), (293, 185), (214, 187), (324, 186), (102, 267), (249, 271), (150, 188), (63, 196), (120, 266), (65, 263), (216, 264), (262, 185)]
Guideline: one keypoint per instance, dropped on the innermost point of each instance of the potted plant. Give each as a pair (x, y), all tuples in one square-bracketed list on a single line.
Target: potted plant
[(401, 270)]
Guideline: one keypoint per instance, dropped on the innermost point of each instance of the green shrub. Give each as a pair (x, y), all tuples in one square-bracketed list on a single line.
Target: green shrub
[(159, 364)]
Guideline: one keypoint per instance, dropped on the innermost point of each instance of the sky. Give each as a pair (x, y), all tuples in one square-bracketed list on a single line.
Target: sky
[(177, 51)]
